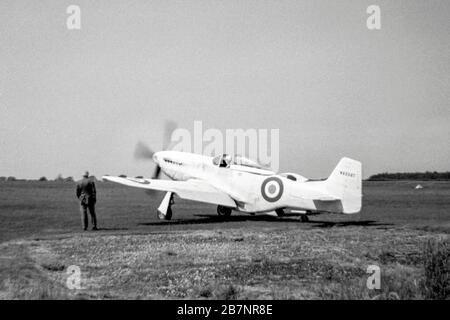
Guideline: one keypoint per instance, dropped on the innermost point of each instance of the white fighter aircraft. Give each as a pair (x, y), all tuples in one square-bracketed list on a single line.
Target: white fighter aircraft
[(238, 183)]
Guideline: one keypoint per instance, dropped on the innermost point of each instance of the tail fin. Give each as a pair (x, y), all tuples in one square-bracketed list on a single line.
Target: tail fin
[(345, 184)]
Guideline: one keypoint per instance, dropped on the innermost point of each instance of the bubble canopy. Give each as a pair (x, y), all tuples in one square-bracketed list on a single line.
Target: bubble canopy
[(226, 160)]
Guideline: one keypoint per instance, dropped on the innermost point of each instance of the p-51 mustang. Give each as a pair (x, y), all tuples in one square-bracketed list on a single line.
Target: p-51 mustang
[(238, 183)]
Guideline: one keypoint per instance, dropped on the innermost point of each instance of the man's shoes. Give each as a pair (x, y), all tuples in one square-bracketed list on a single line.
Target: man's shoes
[(94, 229), (84, 229)]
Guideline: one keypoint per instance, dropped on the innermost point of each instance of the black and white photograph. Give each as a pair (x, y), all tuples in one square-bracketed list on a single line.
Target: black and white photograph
[(240, 152)]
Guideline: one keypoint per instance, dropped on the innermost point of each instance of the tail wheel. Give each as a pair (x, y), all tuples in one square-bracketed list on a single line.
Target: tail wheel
[(304, 218), (167, 216), (223, 211)]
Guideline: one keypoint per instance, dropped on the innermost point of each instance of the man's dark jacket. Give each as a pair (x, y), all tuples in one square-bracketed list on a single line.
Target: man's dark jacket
[(86, 192)]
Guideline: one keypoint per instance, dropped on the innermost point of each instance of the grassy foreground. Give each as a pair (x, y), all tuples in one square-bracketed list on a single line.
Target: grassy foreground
[(238, 263)]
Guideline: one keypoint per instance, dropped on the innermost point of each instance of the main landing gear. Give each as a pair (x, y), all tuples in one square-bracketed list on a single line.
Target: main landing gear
[(224, 212), (164, 211)]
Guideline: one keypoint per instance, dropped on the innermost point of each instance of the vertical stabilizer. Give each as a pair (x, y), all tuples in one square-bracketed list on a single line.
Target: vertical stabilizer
[(345, 183)]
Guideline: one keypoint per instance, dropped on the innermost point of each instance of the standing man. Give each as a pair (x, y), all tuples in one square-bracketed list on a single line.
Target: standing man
[(87, 195)]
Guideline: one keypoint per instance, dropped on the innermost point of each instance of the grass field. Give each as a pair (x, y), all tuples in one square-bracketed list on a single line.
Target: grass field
[(197, 255)]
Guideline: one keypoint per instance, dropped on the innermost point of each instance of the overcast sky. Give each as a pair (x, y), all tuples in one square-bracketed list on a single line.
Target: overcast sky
[(80, 100)]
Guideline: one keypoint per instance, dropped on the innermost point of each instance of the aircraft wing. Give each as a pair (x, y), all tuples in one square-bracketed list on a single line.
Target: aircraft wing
[(196, 190)]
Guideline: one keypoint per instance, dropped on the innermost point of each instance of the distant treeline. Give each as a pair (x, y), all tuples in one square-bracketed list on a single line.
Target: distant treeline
[(411, 176), (59, 178), (422, 176)]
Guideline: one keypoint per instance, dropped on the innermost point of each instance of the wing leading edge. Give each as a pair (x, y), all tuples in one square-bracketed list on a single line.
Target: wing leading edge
[(196, 190)]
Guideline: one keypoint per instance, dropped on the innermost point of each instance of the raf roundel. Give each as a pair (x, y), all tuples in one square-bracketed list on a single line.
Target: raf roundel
[(272, 189)]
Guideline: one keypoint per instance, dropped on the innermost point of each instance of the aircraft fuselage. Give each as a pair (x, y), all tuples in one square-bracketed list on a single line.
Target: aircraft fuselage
[(253, 189)]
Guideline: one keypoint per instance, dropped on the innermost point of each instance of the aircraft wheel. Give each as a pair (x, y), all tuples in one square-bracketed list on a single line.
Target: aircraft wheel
[(167, 216), (304, 218), (223, 211)]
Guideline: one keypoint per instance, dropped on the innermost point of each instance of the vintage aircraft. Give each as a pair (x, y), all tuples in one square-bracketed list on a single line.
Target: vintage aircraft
[(238, 183)]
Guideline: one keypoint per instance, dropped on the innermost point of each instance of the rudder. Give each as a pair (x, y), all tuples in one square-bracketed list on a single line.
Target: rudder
[(345, 183)]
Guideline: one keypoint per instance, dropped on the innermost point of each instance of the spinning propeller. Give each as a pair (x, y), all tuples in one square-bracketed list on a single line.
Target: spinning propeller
[(144, 152)]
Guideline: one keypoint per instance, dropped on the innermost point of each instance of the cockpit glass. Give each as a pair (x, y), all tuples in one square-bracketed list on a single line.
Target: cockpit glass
[(216, 160), (242, 161), (223, 161), (226, 160)]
